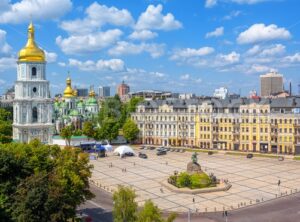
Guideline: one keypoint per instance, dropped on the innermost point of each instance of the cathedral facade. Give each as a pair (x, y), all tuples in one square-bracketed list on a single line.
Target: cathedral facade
[(33, 106), (73, 110)]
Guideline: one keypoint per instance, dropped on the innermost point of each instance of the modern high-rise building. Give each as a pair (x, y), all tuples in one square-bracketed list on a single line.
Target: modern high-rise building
[(82, 92), (270, 84), (104, 91), (32, 103), (123, 89)]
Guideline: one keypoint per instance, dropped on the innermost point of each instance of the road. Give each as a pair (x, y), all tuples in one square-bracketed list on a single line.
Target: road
[(285, 209)]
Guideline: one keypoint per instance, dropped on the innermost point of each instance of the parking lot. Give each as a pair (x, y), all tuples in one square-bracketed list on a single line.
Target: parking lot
[(253, 180)]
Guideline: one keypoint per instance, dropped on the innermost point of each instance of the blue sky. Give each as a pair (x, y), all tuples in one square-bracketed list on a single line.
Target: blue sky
[(181, 46)]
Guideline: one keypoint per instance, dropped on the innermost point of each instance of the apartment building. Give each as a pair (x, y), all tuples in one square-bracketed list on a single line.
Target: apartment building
[(258, 125)]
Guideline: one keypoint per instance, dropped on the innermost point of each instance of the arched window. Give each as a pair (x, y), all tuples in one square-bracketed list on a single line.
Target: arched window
[(34, 115), (33, 72)]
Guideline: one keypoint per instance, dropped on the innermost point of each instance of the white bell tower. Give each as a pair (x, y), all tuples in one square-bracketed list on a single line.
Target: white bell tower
[(32, 104)]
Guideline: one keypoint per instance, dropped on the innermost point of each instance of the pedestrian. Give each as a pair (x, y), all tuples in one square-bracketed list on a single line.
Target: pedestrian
[(193, 199)]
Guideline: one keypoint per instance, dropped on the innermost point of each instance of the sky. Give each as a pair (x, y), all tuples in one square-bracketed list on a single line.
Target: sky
[(191, 46)]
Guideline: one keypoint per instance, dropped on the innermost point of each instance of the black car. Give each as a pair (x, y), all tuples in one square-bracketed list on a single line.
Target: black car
[(161, 152), (249, 155), (143, 155), (129, 154), (151, 148), (210, 152)]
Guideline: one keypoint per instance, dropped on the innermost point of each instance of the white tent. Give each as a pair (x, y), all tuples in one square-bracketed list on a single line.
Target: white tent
[(108, 147), (123, 149)]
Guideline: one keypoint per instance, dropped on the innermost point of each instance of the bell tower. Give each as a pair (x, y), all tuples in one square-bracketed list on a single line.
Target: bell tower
[(32, 105)]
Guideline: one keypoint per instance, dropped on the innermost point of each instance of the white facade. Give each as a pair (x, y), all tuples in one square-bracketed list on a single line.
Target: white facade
[(32, 104)]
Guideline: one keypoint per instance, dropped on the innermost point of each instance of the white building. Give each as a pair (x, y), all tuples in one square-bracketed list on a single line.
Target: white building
[(221, 93), (104, 91), (32, 104)]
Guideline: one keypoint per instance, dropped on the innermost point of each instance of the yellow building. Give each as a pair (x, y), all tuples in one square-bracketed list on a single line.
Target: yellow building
[(260, 125)]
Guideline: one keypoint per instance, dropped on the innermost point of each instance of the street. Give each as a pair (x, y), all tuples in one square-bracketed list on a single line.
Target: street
[(285, 209)]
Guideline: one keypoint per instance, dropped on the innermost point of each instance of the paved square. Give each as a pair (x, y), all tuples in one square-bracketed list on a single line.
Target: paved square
[(252, 180)]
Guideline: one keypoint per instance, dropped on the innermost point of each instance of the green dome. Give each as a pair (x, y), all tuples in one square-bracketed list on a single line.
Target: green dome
[(80, 104), (91, 101)]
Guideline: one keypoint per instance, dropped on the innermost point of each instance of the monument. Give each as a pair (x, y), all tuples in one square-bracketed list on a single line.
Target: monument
[(194, 166)]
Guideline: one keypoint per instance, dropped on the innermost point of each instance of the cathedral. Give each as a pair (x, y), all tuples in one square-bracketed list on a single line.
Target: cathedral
[(72, 110), (32, 105)]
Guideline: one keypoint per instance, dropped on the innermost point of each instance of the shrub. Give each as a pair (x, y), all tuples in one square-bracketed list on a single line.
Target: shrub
[(184, 180), (200, 180)]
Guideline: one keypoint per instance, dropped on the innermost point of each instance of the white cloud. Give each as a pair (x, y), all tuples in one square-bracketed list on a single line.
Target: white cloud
[(293, 58), (7, 63), (273, 50), (88, 43), (153, 18), (96, 16), (20, 11), (210, 3), (50, 56), (257, 68), (232, 15), (2, 81), (253, 50), (115, 65), (182, 54), (216, 33), (142, 35), (185, 77), (125, 48), (261, 32), (4, 46), (230, 58), (158, 74), (62, 64)]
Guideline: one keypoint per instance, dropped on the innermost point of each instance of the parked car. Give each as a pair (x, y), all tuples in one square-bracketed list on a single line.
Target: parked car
[(210, 152), (151, 148), (143, 155), (249, 155), (178, 150), (161, 152), (182, 150), (281, 158), (129, 154), (142, 147)]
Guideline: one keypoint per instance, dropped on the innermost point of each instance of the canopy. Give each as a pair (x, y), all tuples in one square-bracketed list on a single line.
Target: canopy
[(108, 147), (123, 149)]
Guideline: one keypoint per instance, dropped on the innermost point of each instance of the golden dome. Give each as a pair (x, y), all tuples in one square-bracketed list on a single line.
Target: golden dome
[(31, 52), (92, 93), (75, 92), (68, 90)]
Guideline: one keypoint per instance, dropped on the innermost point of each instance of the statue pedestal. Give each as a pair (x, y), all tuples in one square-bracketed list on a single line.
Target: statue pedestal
[(193, 168)]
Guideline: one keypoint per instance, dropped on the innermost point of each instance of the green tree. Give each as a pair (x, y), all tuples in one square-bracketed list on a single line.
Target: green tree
[(133, 102), (66, 133), (5, 126), (151, 213), (48, 183), (109, 130), (130, 130), (125, 207), (88, 129)]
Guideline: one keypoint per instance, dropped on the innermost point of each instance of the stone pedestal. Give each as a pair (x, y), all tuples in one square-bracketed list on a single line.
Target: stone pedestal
[(193, 168)]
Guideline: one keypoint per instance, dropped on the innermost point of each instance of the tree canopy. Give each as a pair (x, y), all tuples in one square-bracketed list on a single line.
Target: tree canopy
[(125, 208), (5, 125), (42, 183), (130, 130)]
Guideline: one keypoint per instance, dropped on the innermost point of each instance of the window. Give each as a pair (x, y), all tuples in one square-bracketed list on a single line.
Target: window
[(33, 72), (34, 115), (34, 89)]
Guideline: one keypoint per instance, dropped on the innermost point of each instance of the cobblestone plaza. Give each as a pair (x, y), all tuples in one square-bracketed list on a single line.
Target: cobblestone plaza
[(253, 180)]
